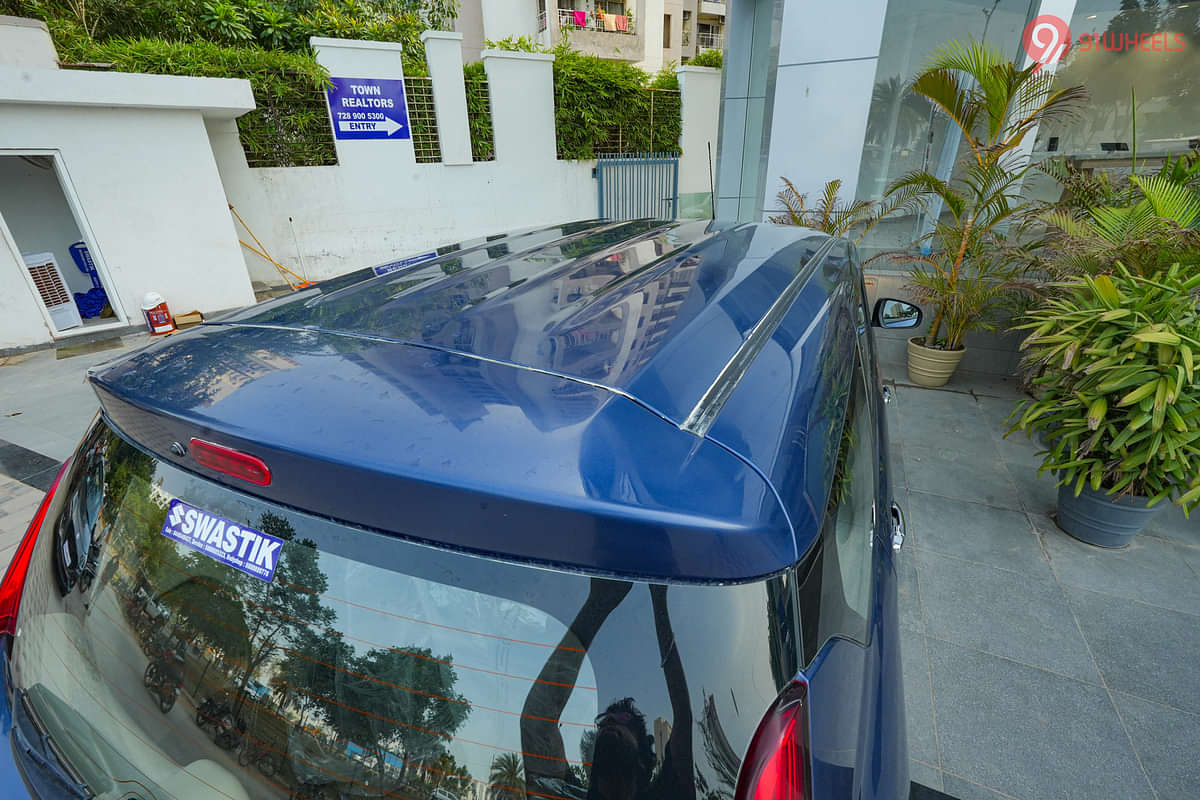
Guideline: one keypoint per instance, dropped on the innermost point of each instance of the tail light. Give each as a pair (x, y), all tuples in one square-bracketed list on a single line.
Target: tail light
[(13, 584), (231, 462), (777, 765)]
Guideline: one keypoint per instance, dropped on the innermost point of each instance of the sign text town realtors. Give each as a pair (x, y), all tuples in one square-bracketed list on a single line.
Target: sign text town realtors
[(368, 108)]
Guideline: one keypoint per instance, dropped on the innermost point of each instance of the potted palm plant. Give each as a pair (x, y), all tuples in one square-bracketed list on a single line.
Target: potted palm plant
[(965, 266), (1117, 400)]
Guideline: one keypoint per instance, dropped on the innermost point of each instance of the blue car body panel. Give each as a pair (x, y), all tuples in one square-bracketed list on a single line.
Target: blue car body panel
[(547, 383), (508, 391)]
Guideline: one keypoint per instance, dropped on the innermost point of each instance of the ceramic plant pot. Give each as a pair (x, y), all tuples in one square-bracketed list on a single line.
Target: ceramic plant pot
[(1101, 519), (931, 367)]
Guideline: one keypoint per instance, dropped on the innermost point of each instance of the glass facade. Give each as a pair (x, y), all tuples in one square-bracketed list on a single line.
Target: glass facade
[(1150, 47)]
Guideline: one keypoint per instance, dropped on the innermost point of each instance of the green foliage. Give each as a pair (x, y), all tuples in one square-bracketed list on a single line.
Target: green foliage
[(479, 113), (966, 266), (1145, 222), (290, 127), (666, 78), (600, 105), (506, 777), (830, 214), (1118, 401), (516, 44), (707, 58)]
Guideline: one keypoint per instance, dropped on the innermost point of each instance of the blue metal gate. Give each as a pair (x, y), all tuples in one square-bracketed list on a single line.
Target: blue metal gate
[(637, 185)]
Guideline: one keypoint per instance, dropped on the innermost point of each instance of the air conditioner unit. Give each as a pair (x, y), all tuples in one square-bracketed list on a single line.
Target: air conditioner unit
[(52, 288)]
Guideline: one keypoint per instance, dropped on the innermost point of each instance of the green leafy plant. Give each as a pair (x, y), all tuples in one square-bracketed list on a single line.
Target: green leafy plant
[(224, 22), (830, 214), (1118, 403), (602, 105), (479, 113), (707, 58), (1145, 222), (967, 265)]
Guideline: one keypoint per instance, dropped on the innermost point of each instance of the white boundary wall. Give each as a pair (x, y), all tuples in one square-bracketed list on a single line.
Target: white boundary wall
[(379, 204)]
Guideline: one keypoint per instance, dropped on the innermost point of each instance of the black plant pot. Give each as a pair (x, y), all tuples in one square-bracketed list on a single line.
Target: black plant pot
[(1102, 519)]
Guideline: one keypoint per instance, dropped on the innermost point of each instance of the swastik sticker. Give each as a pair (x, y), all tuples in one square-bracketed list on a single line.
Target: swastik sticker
[(245, 549)]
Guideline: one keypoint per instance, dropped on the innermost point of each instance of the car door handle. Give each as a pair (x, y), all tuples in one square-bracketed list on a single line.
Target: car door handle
[(897, 528), (887, 394)]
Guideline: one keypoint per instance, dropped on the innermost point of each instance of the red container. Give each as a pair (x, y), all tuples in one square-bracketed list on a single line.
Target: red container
[(158, 316)]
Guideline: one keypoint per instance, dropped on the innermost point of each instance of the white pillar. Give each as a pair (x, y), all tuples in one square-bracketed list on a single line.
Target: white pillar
[(700, 98), (521, 86), (823, 89), (26, 43), (349, 58), (443, 54)]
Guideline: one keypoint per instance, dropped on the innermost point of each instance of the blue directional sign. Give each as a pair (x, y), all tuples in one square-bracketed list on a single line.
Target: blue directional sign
[(368, 108)]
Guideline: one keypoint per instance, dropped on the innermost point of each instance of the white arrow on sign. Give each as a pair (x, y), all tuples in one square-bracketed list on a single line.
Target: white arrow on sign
[(387, 125)]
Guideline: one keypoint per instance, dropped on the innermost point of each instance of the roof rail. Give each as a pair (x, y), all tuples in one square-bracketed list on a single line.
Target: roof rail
[(705, 412)]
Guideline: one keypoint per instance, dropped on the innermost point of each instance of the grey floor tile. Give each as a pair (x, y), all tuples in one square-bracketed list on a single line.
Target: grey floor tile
[(1166, 741), (1170, 524), (925, 774), (1039, 496), (907, 590), (1003, 613), (1149, 569), (978, 476), (962, 789), (1191, 555), (1142, 650), (918, 703), (1030, 734), (954, 423), (995, 536)]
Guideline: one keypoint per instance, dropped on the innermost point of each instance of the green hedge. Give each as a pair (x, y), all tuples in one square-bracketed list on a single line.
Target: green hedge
[(605, 106)]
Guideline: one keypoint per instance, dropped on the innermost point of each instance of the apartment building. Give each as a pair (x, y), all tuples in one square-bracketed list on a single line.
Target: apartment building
[(649, 33)]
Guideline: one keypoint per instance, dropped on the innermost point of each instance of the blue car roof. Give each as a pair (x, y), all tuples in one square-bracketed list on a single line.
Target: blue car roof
[(569, 395)]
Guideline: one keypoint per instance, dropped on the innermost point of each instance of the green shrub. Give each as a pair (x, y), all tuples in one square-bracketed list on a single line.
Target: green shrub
[(1118, 403), (707, 58), (600, 105), (479, 113)]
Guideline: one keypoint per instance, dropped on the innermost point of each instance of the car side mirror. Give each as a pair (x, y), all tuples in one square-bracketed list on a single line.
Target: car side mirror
[(892, 313)]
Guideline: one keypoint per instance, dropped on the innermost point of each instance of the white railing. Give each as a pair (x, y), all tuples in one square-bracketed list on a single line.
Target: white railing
[(710, 41), (612, 23)]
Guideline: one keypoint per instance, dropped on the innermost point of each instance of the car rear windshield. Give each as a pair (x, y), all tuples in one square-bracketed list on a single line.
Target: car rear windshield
[(178, 638)]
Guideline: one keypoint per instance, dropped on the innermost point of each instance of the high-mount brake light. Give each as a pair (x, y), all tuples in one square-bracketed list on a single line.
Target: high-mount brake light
[(777, 765), (230, 462), (13, 585)]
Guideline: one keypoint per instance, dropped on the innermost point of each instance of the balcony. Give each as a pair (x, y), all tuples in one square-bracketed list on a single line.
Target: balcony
[(569, 20), (713, 7), (710, 41)]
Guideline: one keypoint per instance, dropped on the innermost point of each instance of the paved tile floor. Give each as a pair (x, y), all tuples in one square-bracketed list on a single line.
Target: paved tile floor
[(1035, 666)]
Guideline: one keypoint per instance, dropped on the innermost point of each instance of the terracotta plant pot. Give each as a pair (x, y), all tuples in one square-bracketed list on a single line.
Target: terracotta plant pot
[(930, 367)]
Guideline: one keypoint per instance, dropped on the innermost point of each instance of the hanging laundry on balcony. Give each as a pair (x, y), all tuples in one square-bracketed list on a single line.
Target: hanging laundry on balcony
[(622, 22), (580, 19), (610, 22)]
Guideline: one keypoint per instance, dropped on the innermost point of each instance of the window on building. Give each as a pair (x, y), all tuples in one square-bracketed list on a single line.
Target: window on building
[(666, 30)]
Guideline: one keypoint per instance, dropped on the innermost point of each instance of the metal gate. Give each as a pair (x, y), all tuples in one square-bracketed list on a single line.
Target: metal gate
[(637, 185)]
